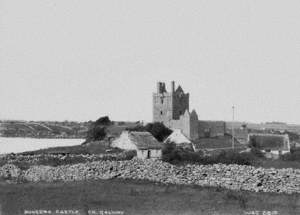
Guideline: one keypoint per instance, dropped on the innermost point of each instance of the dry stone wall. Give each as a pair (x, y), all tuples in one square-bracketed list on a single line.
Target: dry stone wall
[(235, 177), (36, 159)]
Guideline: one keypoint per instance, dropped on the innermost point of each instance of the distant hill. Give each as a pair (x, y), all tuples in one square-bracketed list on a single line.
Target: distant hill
[(72, 129), (277, 126), (44, 129), (55, 129)]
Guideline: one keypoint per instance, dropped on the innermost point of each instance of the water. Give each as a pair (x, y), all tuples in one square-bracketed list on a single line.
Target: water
[(20, 144)]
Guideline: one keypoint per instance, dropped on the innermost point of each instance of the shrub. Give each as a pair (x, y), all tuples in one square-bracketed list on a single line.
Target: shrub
[(130, 154), (295, 156), (158, 130), (96, 133), (97, 130), (171, 154), (103, 121), (137, 128), (175, 155), (257, 152), (232, 157)]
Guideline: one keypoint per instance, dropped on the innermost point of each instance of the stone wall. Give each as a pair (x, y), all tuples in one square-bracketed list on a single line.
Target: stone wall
[(30, 160), (187, 123), (162, 107), (180, 103), (154, 153), (169, 105), (215, 128), (235, 177)]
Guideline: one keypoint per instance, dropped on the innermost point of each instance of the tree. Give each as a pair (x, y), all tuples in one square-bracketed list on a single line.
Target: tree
[(103, 121), (97, 130), (157, 129), (96, 133)]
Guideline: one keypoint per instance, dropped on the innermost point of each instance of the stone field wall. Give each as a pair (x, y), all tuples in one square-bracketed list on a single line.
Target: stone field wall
[(234, 177)]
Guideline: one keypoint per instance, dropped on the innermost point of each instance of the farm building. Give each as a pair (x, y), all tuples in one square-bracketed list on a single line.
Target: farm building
[(271, 144), (179, 139), (217, 143), (211, 128), (144, 143)]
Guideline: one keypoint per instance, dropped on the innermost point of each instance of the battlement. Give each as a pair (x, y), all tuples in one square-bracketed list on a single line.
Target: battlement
[(169, 105), (161, 87)]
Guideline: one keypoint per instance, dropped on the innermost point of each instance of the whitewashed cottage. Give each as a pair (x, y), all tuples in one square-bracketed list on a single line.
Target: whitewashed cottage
[(144, 143)]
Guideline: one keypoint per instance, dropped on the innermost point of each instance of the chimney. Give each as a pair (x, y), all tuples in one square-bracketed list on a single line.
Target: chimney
[(158, 84), (172, 86)]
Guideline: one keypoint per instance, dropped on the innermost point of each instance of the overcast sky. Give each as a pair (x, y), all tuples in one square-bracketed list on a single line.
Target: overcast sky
[(82, 59)]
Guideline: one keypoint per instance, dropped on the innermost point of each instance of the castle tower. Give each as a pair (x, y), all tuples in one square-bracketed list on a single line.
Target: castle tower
[(168, 106)]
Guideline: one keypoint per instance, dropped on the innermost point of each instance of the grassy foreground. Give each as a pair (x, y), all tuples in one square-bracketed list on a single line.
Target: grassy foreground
[(139, 197)]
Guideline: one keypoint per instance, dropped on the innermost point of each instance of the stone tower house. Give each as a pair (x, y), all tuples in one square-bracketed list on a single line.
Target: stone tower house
[(172, 109)]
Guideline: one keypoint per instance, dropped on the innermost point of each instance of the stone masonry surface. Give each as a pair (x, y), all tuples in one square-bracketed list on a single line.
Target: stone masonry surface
[(234, 177)]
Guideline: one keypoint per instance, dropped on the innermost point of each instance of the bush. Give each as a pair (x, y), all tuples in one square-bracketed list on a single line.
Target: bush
[(295, 156), (97, 130), (103, 121), (175, 155), (96, 133), (257, 152), (232, 157), (158, 130), (130, 154), (137, 128)]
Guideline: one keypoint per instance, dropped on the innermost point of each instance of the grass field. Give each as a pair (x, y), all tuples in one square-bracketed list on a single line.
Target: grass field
[(92, 148), (132, 197)]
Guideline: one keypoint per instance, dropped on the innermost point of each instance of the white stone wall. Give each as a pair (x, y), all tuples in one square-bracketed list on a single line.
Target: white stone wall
[(154, 153), (142, 154), (124, 142)]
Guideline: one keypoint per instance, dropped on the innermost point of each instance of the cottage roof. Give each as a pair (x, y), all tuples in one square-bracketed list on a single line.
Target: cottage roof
[(144, 140)]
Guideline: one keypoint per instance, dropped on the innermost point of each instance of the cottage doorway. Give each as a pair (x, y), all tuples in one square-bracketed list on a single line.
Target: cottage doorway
[(149, 154)]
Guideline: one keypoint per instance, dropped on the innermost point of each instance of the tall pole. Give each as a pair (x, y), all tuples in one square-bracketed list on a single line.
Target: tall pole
[(232, 128)]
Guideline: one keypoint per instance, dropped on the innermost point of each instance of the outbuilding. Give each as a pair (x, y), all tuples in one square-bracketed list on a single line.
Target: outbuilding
[(180, 140), (144, 143), (273, 145)]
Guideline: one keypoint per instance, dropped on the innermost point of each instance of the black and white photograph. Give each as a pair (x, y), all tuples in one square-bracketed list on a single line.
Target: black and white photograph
[(155, 107)]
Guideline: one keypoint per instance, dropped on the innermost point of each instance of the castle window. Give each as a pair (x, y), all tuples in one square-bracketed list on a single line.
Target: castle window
[(161, 112)]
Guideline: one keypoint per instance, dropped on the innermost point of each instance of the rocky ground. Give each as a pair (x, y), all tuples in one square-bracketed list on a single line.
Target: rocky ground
[(234, 177)]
